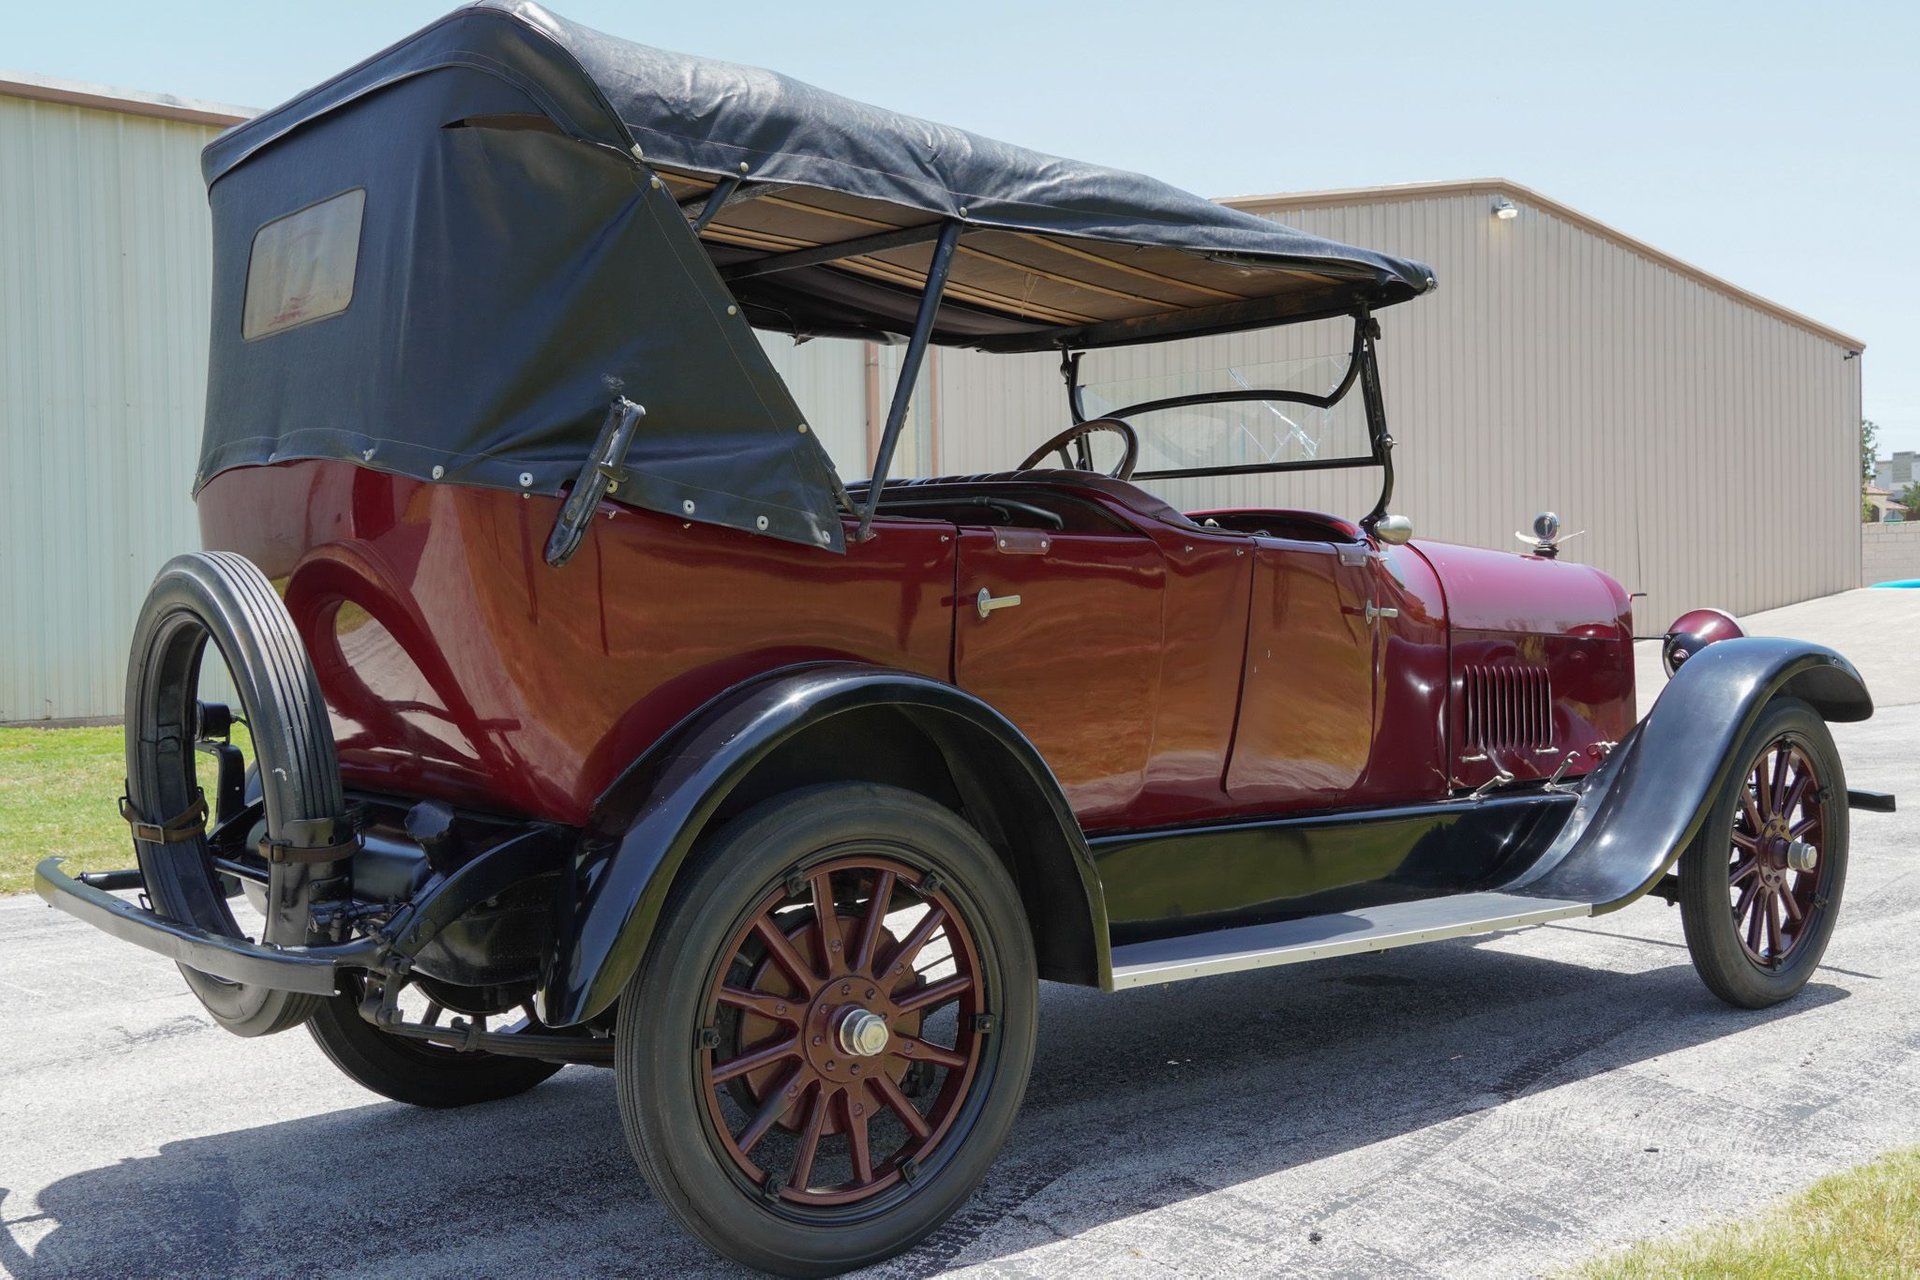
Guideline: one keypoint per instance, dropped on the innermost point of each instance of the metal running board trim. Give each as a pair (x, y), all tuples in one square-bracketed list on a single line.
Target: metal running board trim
[(1398, 924)]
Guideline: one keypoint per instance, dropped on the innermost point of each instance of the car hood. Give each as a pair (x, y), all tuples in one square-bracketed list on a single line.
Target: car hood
[(1502, 591)]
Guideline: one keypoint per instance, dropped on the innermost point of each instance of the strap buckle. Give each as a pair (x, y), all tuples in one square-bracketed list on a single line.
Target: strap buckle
[(279, 851), (189, 824)]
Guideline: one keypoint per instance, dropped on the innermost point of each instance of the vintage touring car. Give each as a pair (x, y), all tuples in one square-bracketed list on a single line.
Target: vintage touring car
[(595, 719)]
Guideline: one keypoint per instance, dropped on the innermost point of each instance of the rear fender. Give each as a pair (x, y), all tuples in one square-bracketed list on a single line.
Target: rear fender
[(1640, 809), (652, 817)]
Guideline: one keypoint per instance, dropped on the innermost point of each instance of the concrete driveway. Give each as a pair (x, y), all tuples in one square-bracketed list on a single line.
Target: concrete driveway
[(1495, 1107)]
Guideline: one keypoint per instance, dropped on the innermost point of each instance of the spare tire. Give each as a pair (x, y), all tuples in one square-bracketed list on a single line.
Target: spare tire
[(224, 598)]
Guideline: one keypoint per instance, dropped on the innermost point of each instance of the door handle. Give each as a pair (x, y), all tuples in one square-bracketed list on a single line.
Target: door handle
[(1373, 613), (986, 602)]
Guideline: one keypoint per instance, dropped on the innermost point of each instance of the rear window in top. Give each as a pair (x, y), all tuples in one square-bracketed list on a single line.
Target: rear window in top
[(303, 265)]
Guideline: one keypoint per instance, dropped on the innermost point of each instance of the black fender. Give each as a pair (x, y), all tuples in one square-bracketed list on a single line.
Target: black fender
[(650, 819), (1645, 804)]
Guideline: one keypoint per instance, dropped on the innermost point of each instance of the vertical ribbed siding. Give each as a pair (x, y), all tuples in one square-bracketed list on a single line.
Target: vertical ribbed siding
[(104, 268), (1706, 447)]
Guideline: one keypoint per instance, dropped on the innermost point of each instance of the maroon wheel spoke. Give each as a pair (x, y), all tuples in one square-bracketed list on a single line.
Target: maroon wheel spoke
[(805, 999), (781, 949), (936, 994), (855, 1114), (827, 924), (1749, 806), (896, 964), (777, 1101), (754, 1059), (1775, 908), (766, 1004), (810, 1139), (1801, 784), (875, 922), (925, 1051), (889, 1095)]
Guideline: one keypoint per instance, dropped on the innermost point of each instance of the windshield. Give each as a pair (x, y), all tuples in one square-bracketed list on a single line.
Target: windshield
[(1249, 431)]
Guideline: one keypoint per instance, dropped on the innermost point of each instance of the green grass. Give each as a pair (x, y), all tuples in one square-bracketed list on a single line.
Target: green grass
[(59, 793), (1862, 1223)]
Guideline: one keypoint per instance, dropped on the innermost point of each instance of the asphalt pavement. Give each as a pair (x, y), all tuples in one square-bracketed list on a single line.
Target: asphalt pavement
[(1483, 1108)]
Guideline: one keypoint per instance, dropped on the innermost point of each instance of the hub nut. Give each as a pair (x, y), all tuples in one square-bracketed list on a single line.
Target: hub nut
[(1802, 856), (862, 1033)]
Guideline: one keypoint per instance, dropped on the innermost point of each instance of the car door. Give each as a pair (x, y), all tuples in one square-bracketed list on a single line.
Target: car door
[(1344, 688), (1061, 632), (1306, 702)]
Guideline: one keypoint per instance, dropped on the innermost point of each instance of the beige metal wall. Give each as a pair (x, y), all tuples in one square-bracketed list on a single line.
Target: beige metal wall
[(104, 263), (1706, 442)]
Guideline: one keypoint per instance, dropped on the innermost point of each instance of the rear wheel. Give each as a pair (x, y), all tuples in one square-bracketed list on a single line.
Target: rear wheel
[(413, 1071), (831, 1035), (1760, 885)]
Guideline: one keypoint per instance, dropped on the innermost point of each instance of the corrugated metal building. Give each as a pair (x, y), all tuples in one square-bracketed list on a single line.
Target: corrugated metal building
[(104, 262), (1561, 365)]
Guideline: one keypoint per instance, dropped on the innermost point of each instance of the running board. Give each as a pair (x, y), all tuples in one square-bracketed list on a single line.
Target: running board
[(1398, 924)]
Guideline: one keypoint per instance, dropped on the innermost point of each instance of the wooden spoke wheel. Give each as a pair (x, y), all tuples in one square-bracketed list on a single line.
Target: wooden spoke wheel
[(826, 1008), (828, 1039), (1773, 876), (1760, 885)]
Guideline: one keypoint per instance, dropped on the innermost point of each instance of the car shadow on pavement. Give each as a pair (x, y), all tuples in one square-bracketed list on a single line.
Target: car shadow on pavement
[(1137, 1101)]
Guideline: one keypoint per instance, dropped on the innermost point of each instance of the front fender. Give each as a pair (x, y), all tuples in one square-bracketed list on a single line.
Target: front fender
[(1641, 808), (648, 821)]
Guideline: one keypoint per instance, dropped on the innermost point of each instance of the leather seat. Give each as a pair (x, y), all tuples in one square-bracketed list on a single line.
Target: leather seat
[(1130, 496)]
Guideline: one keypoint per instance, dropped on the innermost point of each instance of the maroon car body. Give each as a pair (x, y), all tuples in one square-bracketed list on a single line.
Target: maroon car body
[(1142, 663)]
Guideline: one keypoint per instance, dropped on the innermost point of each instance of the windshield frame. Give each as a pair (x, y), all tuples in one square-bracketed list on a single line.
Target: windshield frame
[(1362, 368)]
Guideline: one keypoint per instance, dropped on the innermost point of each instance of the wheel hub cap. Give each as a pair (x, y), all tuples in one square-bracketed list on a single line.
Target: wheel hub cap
[(862, 1033)]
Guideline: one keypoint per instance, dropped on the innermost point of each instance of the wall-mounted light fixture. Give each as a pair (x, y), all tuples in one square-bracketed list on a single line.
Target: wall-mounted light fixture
[(1504, 209)]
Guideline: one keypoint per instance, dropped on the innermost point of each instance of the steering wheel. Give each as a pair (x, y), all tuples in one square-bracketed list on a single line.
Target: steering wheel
[(1076, 435)]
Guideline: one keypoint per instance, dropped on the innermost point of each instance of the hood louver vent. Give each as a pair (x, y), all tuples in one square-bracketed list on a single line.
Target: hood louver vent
[(1508, 708)]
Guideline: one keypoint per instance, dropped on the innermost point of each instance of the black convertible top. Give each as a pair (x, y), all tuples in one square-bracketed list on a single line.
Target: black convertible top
[(446, 260)]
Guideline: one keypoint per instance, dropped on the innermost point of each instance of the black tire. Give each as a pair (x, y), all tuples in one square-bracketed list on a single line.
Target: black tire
[(421, 1075), (225, 599), (660, 1066), (1708, 905)]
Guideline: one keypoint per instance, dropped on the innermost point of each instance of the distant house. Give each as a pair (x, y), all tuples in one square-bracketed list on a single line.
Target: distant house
[(1878, 506)]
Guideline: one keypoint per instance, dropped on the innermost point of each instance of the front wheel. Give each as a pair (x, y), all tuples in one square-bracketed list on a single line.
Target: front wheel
[(829, 1040), (1760, 885)]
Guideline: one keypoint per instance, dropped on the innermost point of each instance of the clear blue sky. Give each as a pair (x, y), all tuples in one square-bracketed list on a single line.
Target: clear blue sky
[(1775, 145)]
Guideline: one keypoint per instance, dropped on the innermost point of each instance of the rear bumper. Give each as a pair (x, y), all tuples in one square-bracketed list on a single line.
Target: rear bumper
[(309, 969)]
